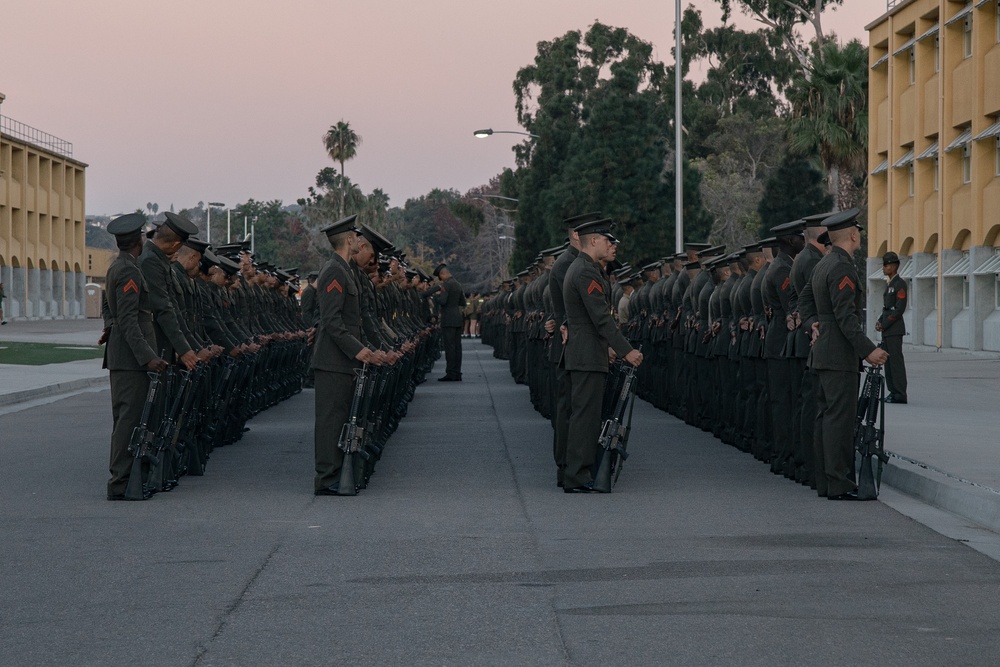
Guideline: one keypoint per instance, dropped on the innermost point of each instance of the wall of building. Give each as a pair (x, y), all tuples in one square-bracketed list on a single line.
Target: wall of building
[(934, 191), (42, 247)]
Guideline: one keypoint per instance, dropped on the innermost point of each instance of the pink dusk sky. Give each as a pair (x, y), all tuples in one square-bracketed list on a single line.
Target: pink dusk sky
[(225, 100)]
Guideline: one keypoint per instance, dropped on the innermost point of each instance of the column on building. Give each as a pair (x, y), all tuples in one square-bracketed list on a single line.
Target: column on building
[(16, 292), (58, 291), (45, 304)]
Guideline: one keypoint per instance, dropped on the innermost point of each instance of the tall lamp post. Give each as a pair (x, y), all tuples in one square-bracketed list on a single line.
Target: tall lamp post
[(678, 146), (208, 225)]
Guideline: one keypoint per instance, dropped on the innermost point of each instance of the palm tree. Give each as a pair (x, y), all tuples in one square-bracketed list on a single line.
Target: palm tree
[(830, 116), (341, 143)]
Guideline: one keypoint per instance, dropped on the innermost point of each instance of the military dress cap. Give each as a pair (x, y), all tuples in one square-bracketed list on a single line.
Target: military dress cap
[(229, 266), (522, 274), (712, 251), (577, 220), (379, 243), (752, 247), (196, 244), (312, 274), (692, 265), (816, 219), (228, 250), (735, 257), (341, 226), (890, 258), (124, 225), (181, 225), (548, 252), (442, 266), (769, 242), (602, 227), (793, 228), (843, 220), (692, 247)]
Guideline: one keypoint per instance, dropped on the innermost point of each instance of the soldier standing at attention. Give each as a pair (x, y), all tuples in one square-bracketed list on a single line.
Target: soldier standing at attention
[(449, 295), (590, 332), (154, 260), (831, 304), (561, 391), (338, 353), (129, 353), (890, 323)]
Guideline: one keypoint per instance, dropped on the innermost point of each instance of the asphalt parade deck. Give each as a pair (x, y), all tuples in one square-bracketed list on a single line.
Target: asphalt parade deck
[(462, 551)]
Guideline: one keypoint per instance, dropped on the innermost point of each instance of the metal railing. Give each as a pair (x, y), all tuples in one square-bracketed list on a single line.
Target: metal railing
[(18, 130), (891, 4)]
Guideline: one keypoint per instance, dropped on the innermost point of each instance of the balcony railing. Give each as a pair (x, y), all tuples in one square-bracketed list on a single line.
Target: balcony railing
[(18, 130)]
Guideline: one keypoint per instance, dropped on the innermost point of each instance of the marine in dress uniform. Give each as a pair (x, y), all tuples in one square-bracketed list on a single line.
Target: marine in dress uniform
[(338, 353), (450, 297), (562, 390), (891, 324), (154, 261), (590, 331), (129, 353), (831, 304), (780, 387)]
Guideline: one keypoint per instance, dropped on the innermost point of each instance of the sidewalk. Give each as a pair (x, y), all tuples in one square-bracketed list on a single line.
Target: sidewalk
[(945, 443), (19, 384)]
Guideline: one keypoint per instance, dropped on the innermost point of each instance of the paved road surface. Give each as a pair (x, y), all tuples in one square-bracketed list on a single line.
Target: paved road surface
[(463, 552)]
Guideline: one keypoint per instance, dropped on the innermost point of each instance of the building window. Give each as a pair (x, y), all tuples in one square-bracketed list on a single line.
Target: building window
[(996, 292), (965, 292), (997, 13), (968, 36), (996, 160), (911, 179), (937, 53), (90, 262), (913, 65), (967, 163), (937, 173)]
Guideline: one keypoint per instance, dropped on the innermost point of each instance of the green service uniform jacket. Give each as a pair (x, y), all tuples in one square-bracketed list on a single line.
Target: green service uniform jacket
[(163, 301), (592, 329), (338, 338), (834, 297), (127, 317)]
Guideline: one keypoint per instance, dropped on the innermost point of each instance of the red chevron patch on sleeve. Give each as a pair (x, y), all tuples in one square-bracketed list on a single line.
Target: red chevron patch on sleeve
[(594, 285), (901, 294), (786, 283), (130, 286), (334, 286), (847, 282)]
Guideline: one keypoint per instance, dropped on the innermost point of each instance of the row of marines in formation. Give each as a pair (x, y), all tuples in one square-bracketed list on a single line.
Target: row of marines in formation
[(761, 346), (198, 340)]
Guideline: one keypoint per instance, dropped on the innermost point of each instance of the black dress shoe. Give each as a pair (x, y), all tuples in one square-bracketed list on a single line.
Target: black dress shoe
[(895, 399), (332, 490), (850, 495), (586, 488), (448, 378), (116, 496)]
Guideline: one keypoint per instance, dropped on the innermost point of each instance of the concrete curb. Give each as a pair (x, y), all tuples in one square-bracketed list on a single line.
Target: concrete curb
[(977, 503), (52, 390)]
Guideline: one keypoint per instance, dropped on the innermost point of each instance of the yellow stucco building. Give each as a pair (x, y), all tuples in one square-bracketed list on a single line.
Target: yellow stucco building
[(42, 246), (934, 160)]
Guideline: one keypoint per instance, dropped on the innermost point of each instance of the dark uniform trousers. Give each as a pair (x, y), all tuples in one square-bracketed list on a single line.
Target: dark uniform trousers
[(895, 368), (836, 403), (562, 413), (587, 389), (334, 392), (128, 396), (807, 428), (452, 337)]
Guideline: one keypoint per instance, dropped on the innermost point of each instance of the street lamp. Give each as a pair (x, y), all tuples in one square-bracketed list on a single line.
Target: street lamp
[(208, 225), (488, 132)]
